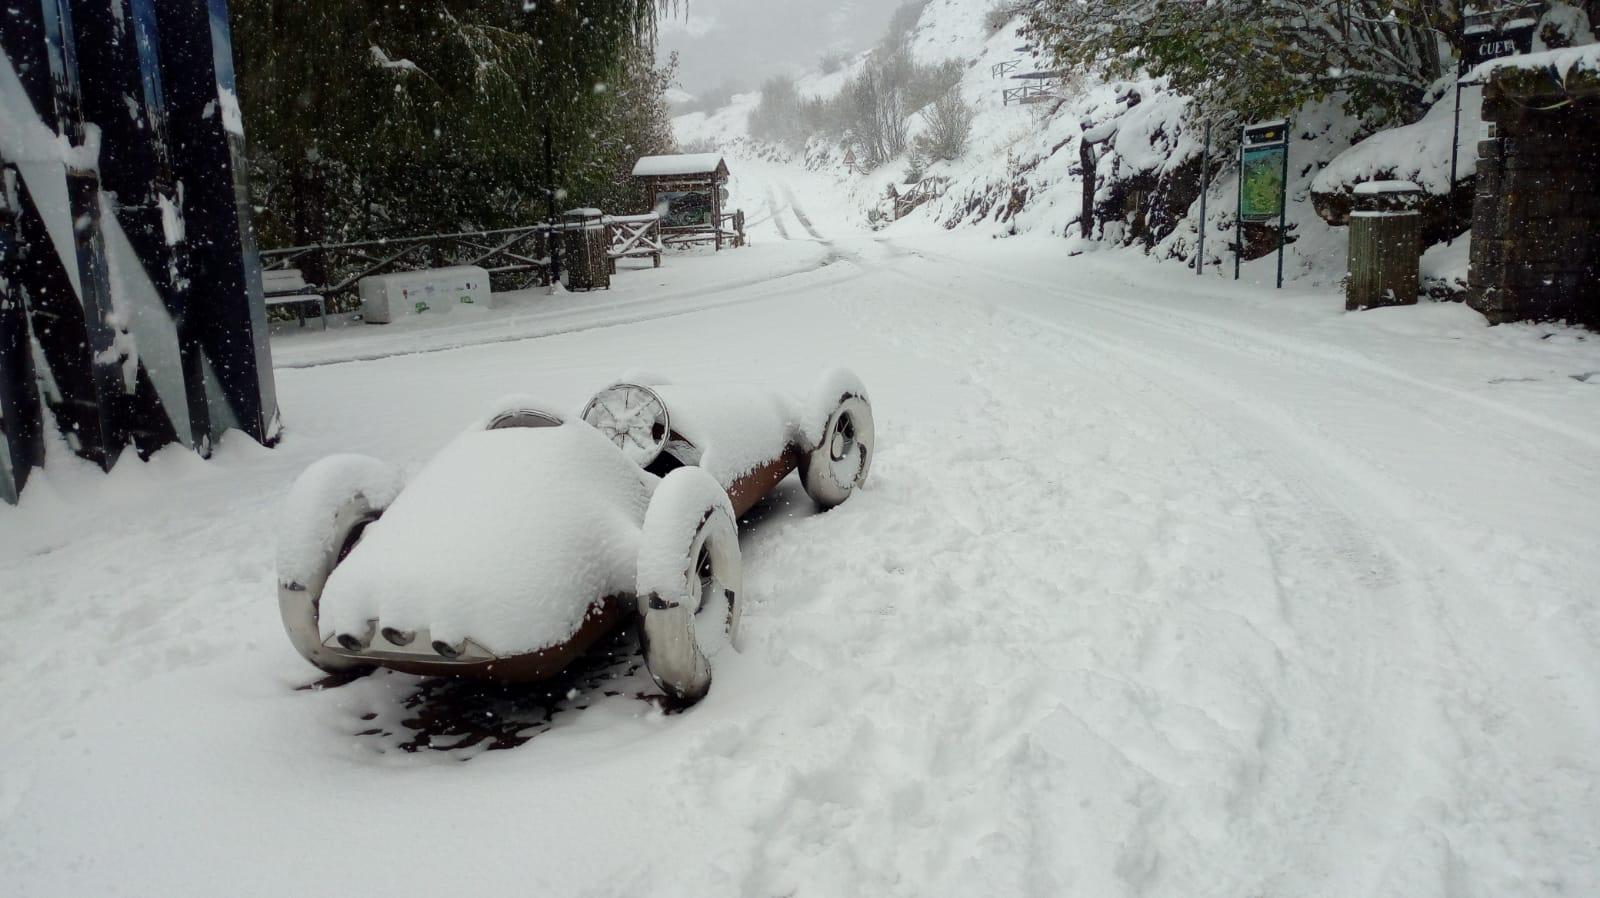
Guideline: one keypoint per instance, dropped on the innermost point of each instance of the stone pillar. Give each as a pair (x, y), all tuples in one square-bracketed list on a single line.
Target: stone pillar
[(1536, 214)]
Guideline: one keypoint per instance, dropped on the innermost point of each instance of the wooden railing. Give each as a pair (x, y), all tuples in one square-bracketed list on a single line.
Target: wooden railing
[(1001, 69), (1027, 93), (926, 189), (729, 228), (634, 237), (732, 227), (514, 257)]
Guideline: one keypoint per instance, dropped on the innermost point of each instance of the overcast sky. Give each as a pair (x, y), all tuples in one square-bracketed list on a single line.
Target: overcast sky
[(747, 40)]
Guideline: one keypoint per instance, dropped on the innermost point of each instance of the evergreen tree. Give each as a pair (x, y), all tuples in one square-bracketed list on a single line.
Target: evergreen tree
[(383, 117)]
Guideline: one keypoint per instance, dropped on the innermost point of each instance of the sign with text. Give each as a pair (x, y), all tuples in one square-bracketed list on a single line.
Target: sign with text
[(1506, 31), (1263, 160)]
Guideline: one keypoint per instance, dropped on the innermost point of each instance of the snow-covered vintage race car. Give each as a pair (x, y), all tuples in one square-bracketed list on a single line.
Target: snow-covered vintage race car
[(530, 537)]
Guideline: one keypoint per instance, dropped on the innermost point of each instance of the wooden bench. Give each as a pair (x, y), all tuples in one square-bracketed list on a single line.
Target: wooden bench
[(286, 286)]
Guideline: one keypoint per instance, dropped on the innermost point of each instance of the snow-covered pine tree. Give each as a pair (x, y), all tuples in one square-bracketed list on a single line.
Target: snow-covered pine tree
[(379, 117)]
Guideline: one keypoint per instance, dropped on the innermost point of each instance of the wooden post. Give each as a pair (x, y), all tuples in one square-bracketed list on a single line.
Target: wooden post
[(1205, 185), (1238, 212), (1088, 159), (716, 211), (1283, 204)]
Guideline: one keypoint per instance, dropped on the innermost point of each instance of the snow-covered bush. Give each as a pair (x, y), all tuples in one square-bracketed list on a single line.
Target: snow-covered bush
[(949, 125), (999, 17)]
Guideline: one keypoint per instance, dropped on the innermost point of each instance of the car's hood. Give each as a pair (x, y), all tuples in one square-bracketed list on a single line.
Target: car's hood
[(507, 536)]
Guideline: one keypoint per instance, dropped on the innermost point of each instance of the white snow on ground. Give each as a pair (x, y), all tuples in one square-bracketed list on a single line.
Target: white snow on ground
[(1161, 586)]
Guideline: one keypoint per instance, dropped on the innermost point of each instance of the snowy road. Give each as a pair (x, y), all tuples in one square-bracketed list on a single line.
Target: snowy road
[(1161, 586)]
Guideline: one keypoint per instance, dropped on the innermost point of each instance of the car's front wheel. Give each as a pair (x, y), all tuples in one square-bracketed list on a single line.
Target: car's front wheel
[(837, 466), (327, 510), (689, 578)]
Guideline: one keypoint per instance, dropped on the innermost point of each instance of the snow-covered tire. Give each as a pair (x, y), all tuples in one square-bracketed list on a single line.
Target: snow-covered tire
[(688, 562), (841, 456), (323, 517)]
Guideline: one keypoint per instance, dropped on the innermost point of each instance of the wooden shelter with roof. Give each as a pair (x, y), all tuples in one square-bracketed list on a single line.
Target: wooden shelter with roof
[(687, 191)]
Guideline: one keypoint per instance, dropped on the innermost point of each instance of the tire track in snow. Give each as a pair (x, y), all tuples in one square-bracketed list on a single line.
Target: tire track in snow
[(1322, 532), (617, 315), (1428, 576), (1084, 697), (800, 215), (1199, 326), (776, 214)]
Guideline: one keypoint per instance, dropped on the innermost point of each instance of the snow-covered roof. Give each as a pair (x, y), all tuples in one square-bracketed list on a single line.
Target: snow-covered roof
[(681, 164)]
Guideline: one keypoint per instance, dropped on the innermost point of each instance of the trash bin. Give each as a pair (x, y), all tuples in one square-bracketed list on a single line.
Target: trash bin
[(1385, 245), (584, 263)]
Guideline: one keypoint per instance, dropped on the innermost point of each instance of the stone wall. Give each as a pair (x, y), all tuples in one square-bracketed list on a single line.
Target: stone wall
[(1536, 213)]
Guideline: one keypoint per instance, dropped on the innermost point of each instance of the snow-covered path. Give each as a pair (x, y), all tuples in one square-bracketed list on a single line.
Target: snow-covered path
[(1162, 586)]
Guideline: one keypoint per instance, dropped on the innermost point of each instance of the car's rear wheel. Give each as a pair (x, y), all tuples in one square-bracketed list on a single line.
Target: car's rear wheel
[(688, 562), (838, 465), (327, 510)]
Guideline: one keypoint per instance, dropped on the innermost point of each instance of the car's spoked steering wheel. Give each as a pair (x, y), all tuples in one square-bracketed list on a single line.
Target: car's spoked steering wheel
[(633, 418)]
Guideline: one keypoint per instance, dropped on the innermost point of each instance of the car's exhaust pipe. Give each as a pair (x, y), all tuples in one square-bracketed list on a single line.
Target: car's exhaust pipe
[(353, 643)]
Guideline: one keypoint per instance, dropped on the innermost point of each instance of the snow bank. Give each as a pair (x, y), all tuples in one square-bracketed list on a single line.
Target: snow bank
[(507, 536), (1444, 268), (1419, 152)]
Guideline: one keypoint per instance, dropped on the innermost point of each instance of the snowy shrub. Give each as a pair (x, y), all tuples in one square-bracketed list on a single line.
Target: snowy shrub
[(997, 18), (916, 166), (924, 84), (949, 122), (780, 116)]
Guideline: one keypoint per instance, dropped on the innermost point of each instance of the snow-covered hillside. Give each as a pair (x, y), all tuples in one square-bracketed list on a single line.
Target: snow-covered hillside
[(1023, 169)]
